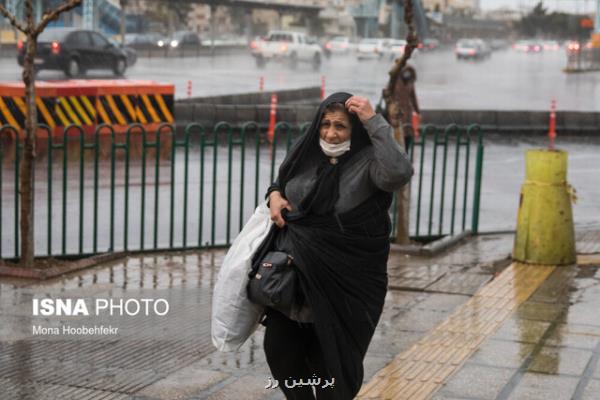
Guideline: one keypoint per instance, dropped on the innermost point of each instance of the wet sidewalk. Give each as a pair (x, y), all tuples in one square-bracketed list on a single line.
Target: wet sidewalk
[(462, 325)]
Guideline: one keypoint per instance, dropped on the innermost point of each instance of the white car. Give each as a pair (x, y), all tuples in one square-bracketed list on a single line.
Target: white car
[(371, 48), (340, 45), (472, 49), (395, 48), (290, 47)]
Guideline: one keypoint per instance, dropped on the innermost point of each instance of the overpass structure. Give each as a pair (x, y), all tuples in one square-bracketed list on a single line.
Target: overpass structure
[(368, 12), (106, 15)]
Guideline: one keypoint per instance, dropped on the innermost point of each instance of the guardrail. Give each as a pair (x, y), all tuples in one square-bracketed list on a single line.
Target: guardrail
[(163, 190)]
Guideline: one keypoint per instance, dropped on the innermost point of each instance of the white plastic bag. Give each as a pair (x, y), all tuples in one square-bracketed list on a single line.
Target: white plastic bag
[(234, 317)]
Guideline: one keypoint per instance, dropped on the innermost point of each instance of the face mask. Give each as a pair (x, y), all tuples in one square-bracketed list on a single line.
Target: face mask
[(336, 149)]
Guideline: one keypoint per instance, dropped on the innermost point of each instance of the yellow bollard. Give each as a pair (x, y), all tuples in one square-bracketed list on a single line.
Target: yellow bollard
[(545, 233)]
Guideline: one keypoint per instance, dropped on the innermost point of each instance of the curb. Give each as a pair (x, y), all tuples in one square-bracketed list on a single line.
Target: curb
[(53, 272), (433, 248)]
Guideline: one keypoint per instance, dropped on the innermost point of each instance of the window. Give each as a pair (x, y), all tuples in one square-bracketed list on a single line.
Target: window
[(79, 39), (98, 40)]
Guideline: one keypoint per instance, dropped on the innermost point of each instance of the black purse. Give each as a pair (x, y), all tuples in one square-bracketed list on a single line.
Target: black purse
[(273, 283)]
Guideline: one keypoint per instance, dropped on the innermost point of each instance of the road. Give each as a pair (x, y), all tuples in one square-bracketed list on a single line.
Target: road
[(507, 81)]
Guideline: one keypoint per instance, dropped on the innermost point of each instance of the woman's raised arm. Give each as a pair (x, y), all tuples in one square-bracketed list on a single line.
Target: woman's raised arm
[(390, 168)]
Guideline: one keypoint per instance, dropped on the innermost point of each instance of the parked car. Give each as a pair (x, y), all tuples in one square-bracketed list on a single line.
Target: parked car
[(74, 51), (289, 47), (473, 49), (340, 45), (370, 48)]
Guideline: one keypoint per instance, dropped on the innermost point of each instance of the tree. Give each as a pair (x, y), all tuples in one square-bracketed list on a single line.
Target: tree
[(534, 22), (393, 112), (31, 31)]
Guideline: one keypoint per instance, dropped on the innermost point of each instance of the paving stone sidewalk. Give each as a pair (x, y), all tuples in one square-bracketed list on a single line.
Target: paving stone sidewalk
[(174, 359)]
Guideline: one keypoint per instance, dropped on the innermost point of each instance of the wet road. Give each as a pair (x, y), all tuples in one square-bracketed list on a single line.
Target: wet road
[(507, 81)]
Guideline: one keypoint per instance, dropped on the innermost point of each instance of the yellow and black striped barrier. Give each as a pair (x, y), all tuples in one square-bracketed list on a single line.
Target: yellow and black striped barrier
[(90, 103)]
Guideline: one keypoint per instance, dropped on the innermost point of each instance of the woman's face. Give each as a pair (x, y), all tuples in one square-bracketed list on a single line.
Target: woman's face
[(335, 127)]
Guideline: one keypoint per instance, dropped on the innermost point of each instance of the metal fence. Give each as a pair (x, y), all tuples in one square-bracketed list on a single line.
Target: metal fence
[(184, 189)]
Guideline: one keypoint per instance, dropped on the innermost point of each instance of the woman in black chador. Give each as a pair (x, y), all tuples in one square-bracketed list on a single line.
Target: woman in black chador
[(331, 202)]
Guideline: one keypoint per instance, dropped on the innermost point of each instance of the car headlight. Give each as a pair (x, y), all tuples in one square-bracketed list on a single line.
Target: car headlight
[(160, 43), (174, 43)]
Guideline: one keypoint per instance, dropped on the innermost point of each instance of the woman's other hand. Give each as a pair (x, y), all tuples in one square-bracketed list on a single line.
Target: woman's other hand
[(276, 204), (361, 107)]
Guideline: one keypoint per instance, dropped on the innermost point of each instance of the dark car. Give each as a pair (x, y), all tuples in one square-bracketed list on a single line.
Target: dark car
[(129, 51), (145, 41), (74, 51), (185, 40)]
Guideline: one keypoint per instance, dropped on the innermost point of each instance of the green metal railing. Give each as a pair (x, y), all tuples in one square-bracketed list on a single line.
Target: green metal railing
[(459, 141), (193, 188)]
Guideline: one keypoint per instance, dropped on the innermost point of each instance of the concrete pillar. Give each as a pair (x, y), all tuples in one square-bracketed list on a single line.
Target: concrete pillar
[(396, 18), (123, 28), (88, 14)]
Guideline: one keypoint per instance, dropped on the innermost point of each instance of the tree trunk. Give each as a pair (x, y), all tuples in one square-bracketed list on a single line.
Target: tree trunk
[(393, 111), (26, 192), (402, 199)]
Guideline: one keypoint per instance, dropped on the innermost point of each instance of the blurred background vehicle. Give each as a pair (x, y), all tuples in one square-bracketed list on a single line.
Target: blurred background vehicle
[(528, 46), (340, 45), (144, 41), (76, 50), (185, 40), (429, 44), (472, 49), (370, 48), (573, 46), (290, 47), (395, 48), (550, 45)]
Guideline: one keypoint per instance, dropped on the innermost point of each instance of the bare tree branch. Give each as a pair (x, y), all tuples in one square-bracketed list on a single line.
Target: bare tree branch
[(13, 20), (411, 44), (53, 14)]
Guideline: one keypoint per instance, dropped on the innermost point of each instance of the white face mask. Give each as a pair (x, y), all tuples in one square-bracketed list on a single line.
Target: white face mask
[(334, 149)]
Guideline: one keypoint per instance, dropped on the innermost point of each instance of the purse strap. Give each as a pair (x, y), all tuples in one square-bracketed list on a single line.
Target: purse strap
[(267, 245)]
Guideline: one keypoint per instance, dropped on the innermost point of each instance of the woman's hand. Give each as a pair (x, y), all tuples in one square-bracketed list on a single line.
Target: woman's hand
[(361, 107), (277, 203)]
